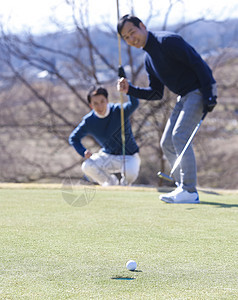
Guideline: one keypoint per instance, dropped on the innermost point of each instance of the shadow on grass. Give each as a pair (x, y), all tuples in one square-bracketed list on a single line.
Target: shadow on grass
[(224, 205), (122, 278), (126, 277), (211, 193)]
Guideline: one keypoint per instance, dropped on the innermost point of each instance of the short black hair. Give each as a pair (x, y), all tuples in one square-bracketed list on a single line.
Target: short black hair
[(97, 91), (127, 18)]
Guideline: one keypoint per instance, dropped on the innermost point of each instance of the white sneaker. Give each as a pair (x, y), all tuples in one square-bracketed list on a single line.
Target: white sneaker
[(180, 196), (112, 181), (174, 192)]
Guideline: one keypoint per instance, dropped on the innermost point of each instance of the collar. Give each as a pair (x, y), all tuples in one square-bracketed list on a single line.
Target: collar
[(106, 113), (149, 42), (146, 40)]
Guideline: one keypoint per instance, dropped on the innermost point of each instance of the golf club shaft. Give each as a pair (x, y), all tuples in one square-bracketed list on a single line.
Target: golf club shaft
[(179, 158), (123, 139)]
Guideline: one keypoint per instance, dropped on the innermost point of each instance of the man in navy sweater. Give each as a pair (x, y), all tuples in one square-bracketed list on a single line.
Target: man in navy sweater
[(172, 62), (103, 123)]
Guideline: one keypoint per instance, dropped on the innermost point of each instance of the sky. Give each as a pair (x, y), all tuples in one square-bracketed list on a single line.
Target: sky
[(20, 15)]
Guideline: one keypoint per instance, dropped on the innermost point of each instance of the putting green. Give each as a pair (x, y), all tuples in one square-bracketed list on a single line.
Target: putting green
[(55, 248)]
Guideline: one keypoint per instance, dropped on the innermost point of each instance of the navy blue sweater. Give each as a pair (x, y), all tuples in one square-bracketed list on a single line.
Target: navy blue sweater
[(107, 131), (170, 61)]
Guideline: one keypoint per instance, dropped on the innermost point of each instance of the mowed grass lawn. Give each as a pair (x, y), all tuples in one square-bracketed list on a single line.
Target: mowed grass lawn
[(74, 244)]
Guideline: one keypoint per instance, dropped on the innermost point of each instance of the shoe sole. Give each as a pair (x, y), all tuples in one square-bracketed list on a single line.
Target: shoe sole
[(181, 202)]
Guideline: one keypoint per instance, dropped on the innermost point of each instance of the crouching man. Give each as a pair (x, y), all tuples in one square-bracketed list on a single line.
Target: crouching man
[(103, 123)]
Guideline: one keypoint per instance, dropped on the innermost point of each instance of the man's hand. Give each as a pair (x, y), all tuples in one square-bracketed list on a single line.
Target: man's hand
[(87, 154), (209, 104), (123, 85)]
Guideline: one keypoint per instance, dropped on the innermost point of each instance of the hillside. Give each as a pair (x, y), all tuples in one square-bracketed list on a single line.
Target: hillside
[(206, 36)]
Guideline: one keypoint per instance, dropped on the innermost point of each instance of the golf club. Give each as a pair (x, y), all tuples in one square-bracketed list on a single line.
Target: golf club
[(120, 73), (179, 158)]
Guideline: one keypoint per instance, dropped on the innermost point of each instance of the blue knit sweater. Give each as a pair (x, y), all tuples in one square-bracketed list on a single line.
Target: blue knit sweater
[(107, 131), (170, 61)]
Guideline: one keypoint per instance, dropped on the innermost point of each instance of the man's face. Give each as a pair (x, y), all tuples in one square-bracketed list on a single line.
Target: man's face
[(99, 104), (133, 35)]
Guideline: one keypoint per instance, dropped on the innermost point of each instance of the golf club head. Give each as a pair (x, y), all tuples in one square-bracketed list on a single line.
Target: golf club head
[(164, 176)]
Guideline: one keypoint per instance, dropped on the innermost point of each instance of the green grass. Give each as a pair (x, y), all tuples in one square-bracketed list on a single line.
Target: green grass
[(52, 250)]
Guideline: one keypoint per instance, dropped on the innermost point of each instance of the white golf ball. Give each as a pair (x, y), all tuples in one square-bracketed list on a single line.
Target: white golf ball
[(131, 265)]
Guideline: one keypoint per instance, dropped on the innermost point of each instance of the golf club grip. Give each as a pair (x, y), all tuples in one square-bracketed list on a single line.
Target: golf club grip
[(121, 72)]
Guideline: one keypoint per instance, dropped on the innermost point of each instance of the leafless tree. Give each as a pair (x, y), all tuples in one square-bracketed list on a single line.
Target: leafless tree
[(43, 97)]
